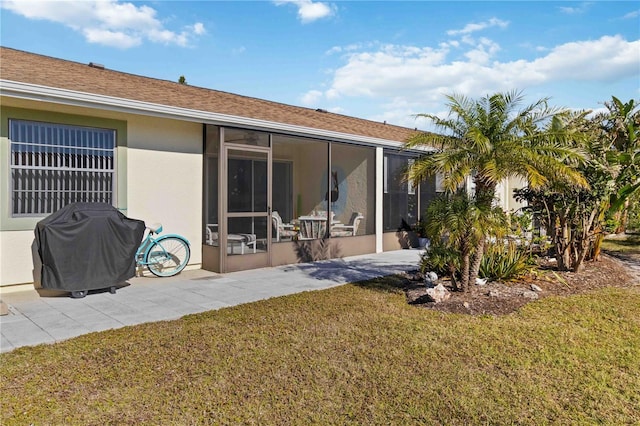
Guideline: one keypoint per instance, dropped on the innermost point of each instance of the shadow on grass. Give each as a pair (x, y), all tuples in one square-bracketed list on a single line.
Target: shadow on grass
[(626, 248), (629, 242), (387, 284)]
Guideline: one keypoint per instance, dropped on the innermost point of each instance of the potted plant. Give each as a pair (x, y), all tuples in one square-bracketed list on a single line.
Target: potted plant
[(421, 232)]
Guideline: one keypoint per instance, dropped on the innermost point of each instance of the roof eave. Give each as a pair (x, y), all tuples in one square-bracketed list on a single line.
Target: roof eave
[(37, 92)]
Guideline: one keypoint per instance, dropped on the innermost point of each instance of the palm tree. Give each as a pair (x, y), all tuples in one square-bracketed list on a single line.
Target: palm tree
[(456, 223), (622, 129), (493, 139)]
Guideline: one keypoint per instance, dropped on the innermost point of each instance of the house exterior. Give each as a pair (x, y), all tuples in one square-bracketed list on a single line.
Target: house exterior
[(249, 182)]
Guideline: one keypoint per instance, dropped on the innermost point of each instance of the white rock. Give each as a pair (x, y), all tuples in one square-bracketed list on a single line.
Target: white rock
[(430, 278), (438, 293), (535, 287), (530, 294), (481, 281)]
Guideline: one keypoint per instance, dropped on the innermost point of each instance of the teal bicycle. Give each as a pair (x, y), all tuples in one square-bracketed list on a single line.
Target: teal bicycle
[(164, 256)]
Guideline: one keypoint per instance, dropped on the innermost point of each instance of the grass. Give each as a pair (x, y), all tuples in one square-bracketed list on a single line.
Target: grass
[(356, 354), (624, 244)]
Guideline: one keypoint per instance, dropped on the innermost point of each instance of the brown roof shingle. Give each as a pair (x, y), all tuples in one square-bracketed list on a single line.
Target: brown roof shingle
[(25, 67)]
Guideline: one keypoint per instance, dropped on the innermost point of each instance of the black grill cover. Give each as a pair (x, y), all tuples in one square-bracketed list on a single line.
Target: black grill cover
[(87, 246)]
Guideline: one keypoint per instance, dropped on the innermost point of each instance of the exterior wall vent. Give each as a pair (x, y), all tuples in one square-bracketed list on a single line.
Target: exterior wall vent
[(96, 65), (321, 110)]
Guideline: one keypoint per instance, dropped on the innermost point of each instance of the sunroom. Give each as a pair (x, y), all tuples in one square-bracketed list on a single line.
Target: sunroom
[(274, 199)]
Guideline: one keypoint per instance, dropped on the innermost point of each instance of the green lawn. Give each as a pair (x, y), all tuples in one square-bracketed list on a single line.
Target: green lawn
[(623, 244), (348, 355)]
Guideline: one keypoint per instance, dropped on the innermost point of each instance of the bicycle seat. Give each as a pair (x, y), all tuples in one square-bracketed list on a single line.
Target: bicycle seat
[(156, 228)]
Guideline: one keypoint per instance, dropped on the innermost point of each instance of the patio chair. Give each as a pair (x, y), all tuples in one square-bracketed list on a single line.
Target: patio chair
[(212, 234), (233, 240), (283, 230), (350, 230)]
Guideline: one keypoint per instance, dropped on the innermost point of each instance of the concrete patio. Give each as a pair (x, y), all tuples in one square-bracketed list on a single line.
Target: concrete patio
[(48, 317)]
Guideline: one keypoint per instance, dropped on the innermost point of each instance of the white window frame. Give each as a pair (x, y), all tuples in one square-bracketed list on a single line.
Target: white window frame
[(52, 165)]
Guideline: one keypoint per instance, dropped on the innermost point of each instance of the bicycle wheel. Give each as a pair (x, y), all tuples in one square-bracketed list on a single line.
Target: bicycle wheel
[(168, 256)]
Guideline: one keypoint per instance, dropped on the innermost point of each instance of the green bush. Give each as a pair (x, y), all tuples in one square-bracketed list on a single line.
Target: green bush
[(633, 220), (439, 259), (504, 261)]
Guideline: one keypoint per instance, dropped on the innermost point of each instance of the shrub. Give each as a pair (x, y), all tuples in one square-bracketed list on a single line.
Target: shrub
[(440, 259), (504, 261)]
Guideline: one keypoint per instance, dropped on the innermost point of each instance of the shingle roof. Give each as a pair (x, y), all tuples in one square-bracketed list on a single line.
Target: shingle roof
[(25, 67)]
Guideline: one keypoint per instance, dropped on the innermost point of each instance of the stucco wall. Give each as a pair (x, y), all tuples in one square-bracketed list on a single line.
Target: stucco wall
[(504, 193), (159, 179), (356, 175), (16, 257), (309, 174), (164, 177)]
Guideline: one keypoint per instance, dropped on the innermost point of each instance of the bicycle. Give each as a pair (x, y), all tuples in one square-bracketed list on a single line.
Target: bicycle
[(164, 256)]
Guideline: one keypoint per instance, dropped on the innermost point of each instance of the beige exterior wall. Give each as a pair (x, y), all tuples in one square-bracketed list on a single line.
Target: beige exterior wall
[(16, 257), (164, 177), (159, 179), (504, 192)]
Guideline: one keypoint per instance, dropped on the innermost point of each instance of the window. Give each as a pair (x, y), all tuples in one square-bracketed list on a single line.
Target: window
[(400, 200), (53, 165), (404, 201)]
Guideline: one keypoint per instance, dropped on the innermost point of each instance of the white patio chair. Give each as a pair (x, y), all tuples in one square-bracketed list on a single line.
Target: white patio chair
[(350, 230), (283, 230)]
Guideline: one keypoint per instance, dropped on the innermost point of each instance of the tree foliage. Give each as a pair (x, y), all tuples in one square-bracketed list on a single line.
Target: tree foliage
[(575, 217), (455, 224), (491, 139)]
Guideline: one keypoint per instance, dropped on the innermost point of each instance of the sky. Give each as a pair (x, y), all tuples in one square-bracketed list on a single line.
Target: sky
[(378, 60)]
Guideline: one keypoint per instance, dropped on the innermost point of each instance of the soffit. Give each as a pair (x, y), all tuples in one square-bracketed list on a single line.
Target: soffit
[(24, 67)]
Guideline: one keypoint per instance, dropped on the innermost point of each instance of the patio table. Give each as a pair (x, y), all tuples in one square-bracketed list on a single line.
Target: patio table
[(313, 227)]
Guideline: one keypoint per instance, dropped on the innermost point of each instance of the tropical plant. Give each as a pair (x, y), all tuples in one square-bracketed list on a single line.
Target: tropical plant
[(505, 261), (441, 259), (621, 128), (633, 218), (455, 224), (578, 218), (491, 139)]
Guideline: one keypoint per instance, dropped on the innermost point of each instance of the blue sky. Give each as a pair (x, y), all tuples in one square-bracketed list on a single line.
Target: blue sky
[(383, 60)]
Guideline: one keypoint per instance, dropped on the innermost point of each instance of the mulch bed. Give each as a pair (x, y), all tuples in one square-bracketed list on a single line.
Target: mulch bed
[(499, 298)]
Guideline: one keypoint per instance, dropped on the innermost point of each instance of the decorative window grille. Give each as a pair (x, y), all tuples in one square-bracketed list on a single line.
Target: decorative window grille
[(53, 165)]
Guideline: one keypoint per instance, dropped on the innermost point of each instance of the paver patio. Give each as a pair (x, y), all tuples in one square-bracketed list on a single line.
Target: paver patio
[(49, 317)]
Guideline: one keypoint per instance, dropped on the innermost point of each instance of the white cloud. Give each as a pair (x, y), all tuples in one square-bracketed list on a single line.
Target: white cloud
[(605, 59), (410, 77), (473, 27), (349, 48), (308, 10), (632, 15), (311, 97), (111, 38), (198, 28), (581, 8), (107, 22)]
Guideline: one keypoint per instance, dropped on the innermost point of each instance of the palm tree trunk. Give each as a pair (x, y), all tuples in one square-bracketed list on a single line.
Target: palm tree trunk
[(464, 273), (485, 193), (477, 260)]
